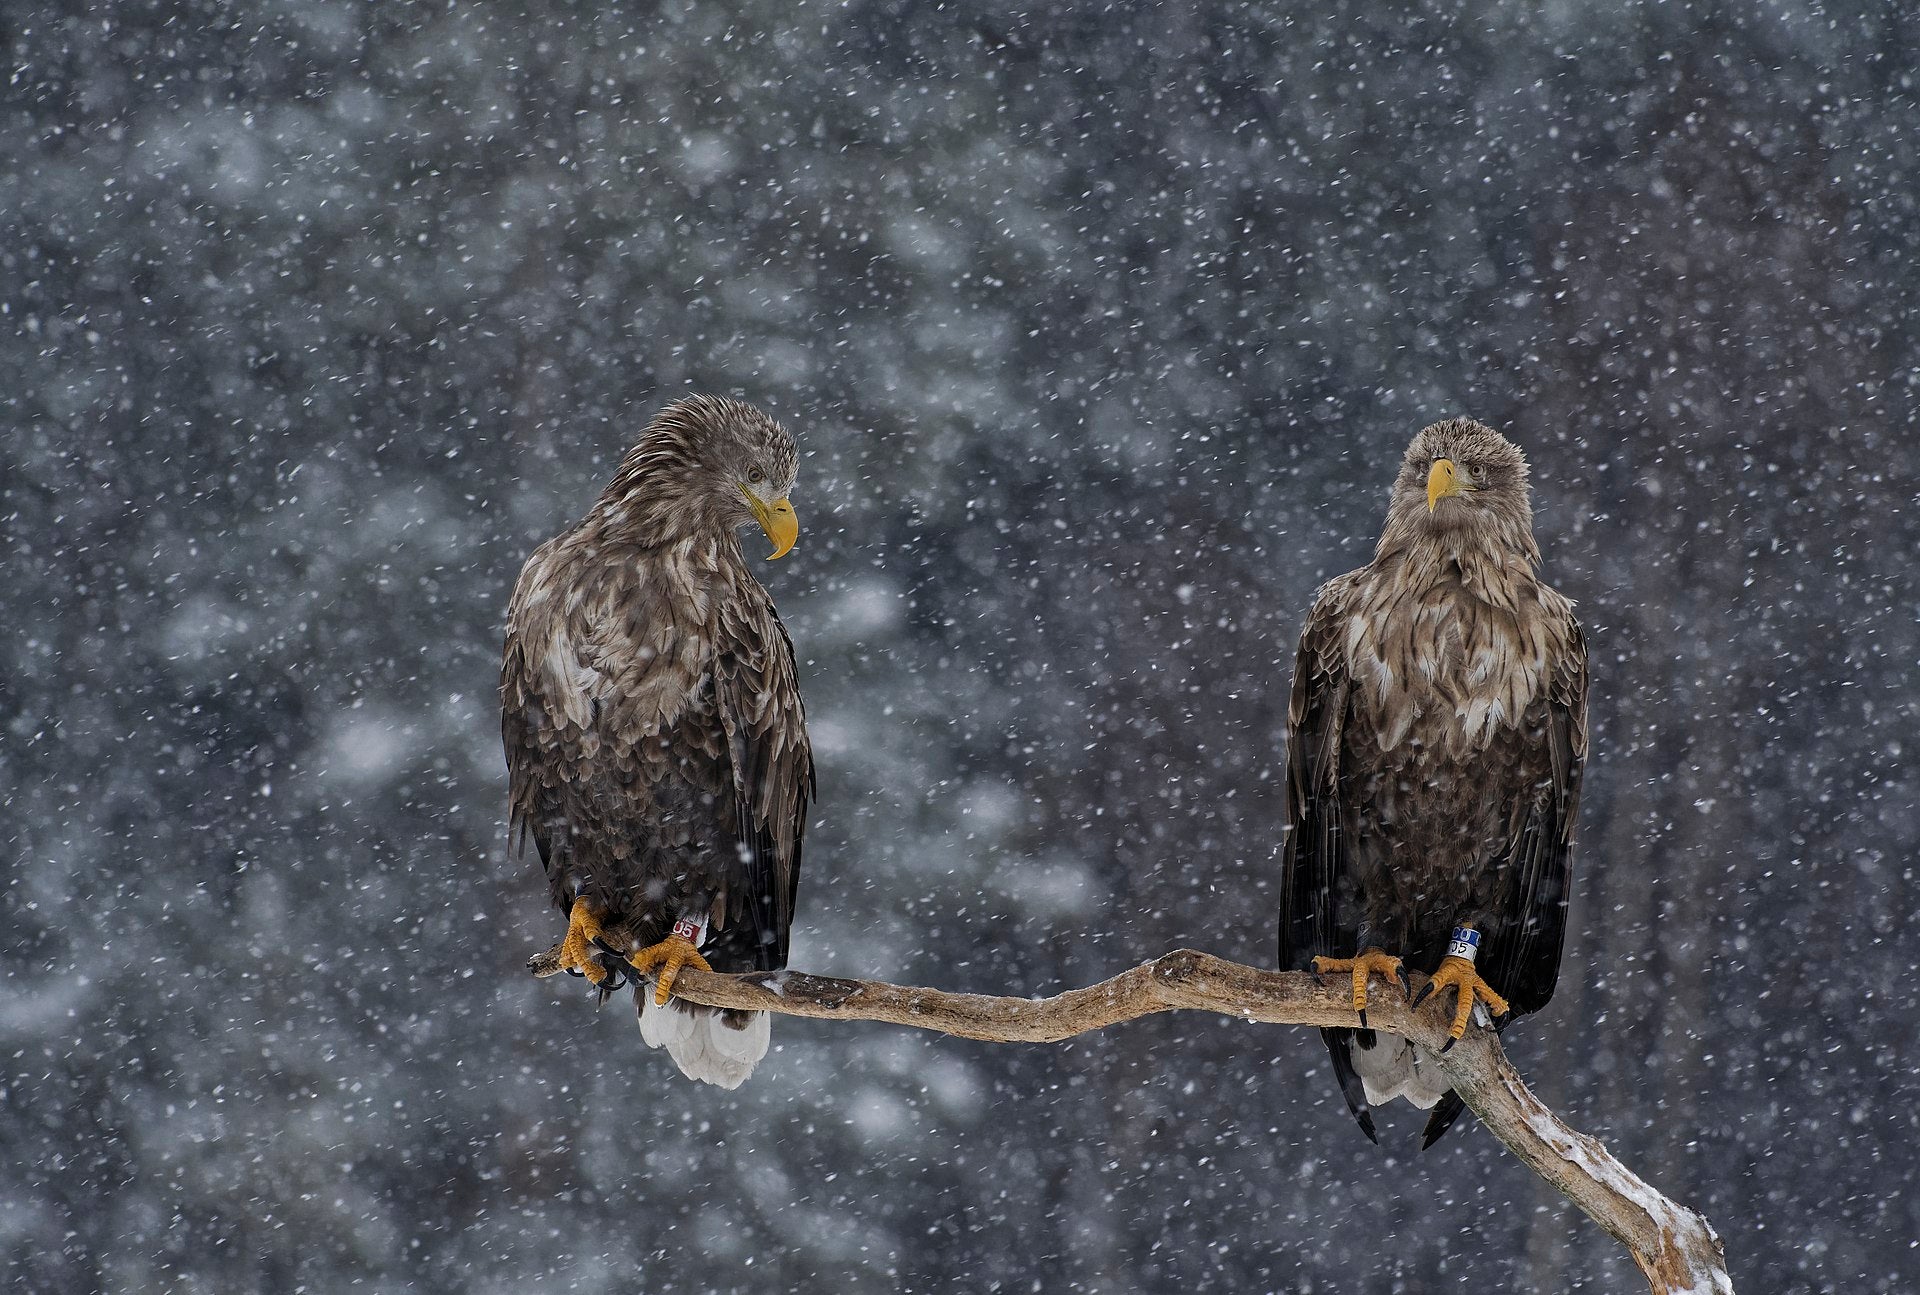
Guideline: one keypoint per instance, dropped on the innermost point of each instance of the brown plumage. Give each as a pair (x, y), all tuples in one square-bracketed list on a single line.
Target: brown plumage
[(1436, 735), (656, 744)]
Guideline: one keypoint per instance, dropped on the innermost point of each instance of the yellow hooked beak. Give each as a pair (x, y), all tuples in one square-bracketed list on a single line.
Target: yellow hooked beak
[(777, 520), (1444, 482)]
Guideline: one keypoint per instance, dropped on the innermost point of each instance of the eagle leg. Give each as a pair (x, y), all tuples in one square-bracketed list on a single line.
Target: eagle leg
[(669, 956), (1459, 975), (1373, 962), (578, 952)]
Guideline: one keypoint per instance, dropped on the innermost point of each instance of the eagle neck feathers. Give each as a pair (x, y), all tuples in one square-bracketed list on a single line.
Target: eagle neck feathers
[(1450, 634), (657, 497)]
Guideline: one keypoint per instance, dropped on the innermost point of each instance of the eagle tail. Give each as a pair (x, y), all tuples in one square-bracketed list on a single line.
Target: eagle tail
[(715, 1047), (1374, 1068)]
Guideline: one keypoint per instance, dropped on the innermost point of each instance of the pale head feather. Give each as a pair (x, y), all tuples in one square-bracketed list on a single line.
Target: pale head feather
[(1493, 519), (682, 479)]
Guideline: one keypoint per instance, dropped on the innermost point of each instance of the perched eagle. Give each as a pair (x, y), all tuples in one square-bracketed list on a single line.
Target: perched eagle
[(1436, 734), (657, 749)]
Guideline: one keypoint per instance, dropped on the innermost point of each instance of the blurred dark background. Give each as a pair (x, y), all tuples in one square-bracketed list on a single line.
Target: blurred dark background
[(1102, 332)]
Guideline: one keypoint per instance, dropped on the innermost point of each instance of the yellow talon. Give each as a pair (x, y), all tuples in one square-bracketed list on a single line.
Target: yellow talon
[(669, 955), (1373, 962), (578, 951), (1458, 974)]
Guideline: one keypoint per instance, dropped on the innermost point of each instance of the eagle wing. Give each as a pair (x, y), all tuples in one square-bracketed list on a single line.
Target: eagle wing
[(1314, 856), (1524, 963), (547, 723), (1315, 863), (758, 697)]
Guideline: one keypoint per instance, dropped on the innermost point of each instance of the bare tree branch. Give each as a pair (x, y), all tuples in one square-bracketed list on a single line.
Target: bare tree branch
[(1676, 1249)]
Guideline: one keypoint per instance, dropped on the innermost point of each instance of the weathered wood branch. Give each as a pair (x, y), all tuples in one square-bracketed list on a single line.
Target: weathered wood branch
[(1676, 1249)]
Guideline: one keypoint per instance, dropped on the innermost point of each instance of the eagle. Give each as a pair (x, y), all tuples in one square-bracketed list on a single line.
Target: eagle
[(1437, 730), (656, 743)]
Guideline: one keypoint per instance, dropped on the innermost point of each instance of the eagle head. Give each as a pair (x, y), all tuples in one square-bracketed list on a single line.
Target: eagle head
[(1462, 476), (707, 464)]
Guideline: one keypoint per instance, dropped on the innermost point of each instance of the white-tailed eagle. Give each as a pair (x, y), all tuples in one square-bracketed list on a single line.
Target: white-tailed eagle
[(1436, 734), (656, 744)]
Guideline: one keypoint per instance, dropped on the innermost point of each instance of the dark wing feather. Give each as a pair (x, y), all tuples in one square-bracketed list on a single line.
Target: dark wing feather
[(1525, 962), (1314, 862), (773, 780), (1314, 857), (544, 751), (1445, 1112)]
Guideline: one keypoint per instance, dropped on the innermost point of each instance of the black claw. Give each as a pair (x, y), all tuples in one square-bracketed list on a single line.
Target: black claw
[(1447, 1047), (615, 965), (1400, 974), (1363, 1018), (1425, 991), (575, 971)]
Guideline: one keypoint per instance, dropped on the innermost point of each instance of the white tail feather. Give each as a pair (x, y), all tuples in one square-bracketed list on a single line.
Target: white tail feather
[(1393, 1067), (700, 1041)]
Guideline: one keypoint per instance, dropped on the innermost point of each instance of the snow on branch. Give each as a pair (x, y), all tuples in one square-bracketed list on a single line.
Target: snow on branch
[(1676, 1249)]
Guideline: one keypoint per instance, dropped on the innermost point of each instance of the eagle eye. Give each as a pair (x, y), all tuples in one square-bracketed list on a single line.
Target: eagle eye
[(1477, 471), (756, 476)]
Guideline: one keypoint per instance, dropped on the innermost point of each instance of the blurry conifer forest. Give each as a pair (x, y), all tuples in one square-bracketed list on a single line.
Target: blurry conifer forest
[(1102, 328)]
